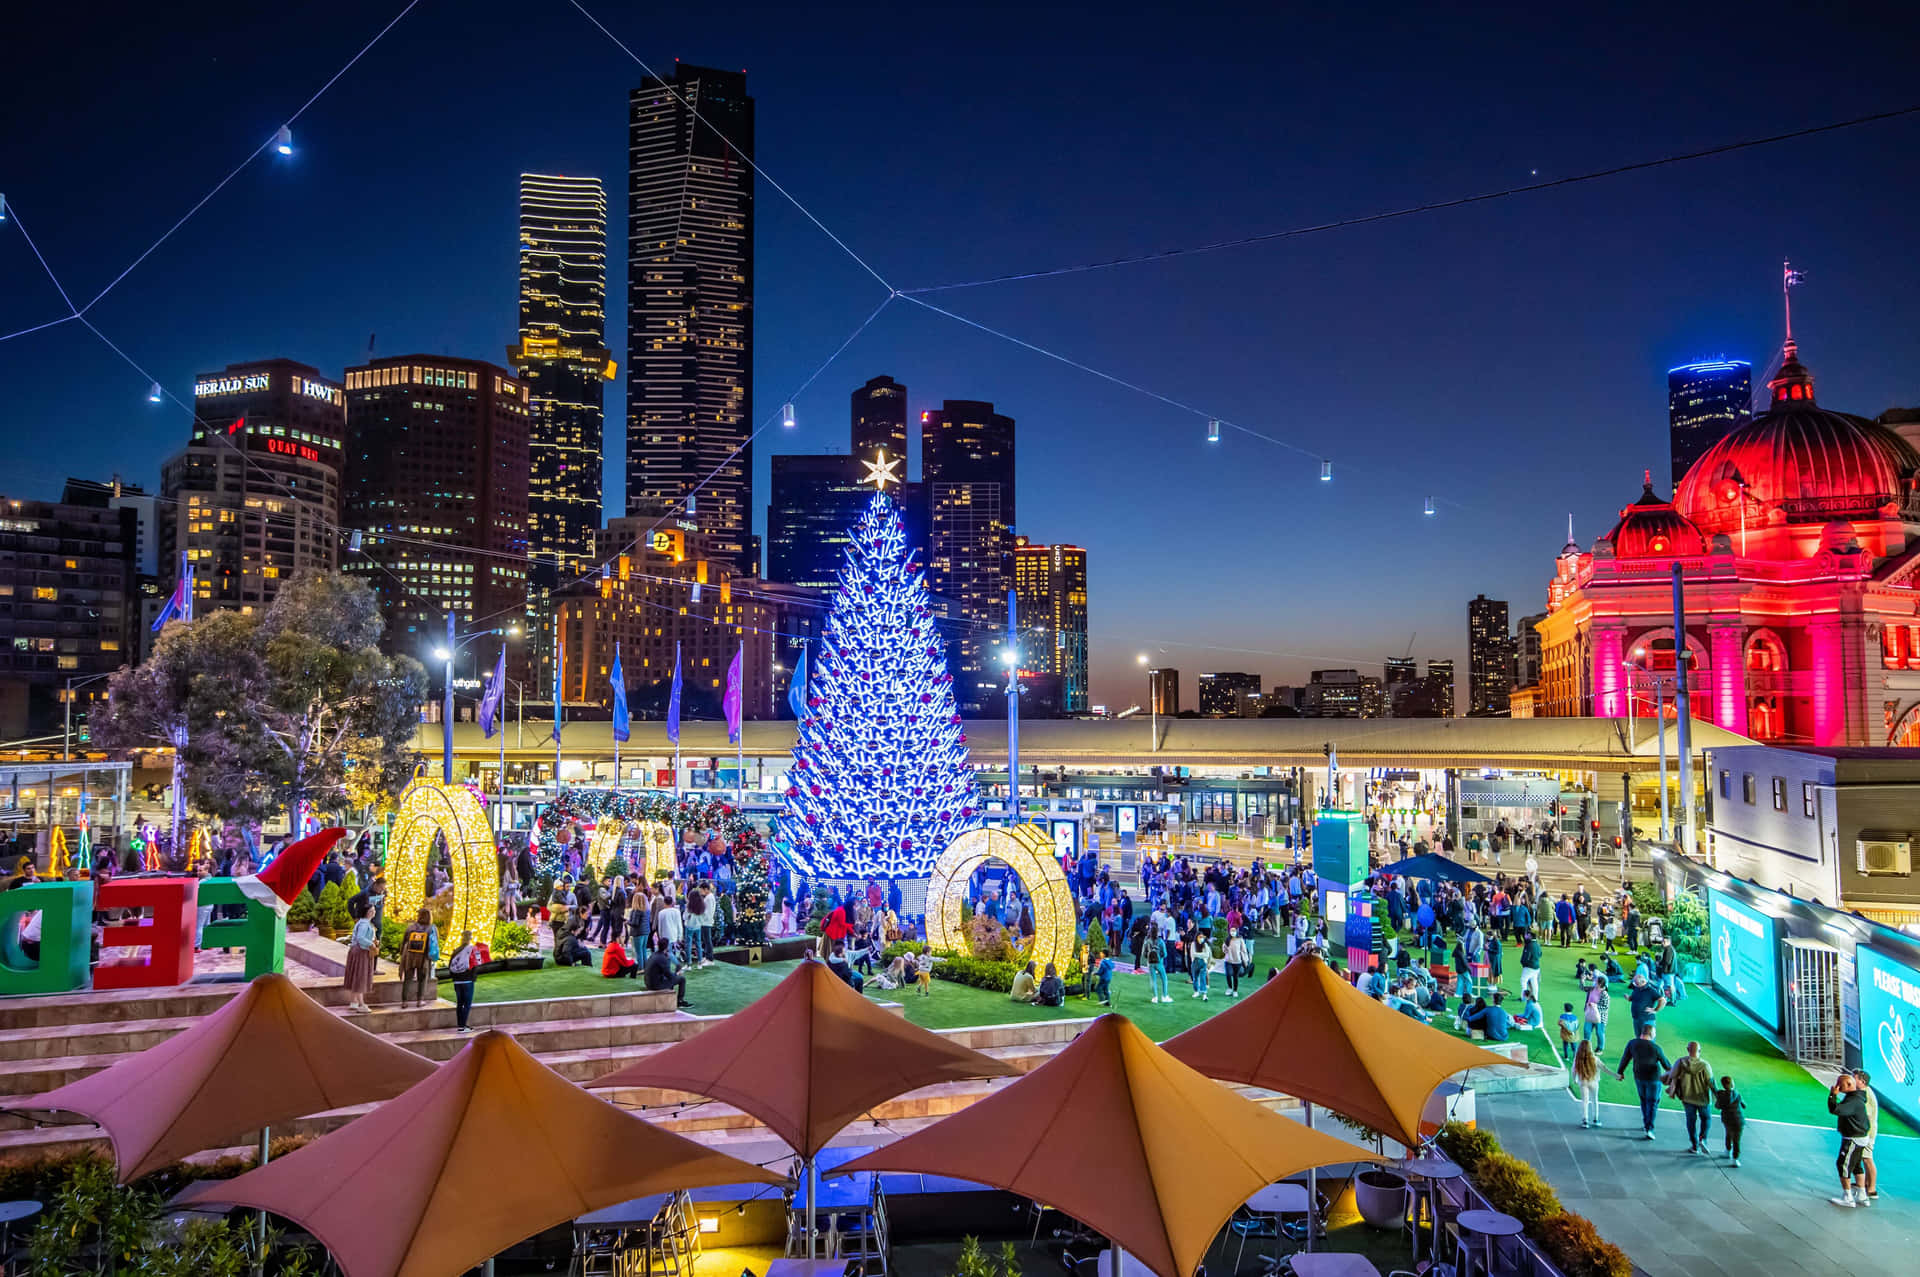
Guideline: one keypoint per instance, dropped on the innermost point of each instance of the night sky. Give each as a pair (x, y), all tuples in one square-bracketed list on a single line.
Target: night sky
[(1507, 358)]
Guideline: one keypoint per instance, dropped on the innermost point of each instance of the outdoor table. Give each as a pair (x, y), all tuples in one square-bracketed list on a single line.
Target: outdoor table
[(636, 1215), (1284, 1198), (806, 1268), (12, 1213), (839, 1195), (1427, 1171), (1333, 1264), (1489, 1224)]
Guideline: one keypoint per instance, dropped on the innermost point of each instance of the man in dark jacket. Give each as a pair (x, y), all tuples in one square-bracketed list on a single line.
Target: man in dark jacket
[(1529, 964), (659, 974), (1848, 1104), (1650, 1065)]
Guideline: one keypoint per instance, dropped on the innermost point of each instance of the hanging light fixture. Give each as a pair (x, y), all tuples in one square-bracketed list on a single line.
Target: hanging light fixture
[(696, 591), (1326, 471), (690, 503), (354, 541), (283, 140), (786, 416), (156, 394), (1213, 431), (606, 572), (1429, 505), (3, 208)]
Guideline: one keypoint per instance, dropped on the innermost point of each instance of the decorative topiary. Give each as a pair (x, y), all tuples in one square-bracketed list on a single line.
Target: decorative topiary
[(1466, 1145), (513, 940), (331, 908), (1578, 1250), (301, 913)]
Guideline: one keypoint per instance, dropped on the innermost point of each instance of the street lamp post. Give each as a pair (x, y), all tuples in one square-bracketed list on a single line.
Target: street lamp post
[(445, 655), (66, 731), (1153, 706)]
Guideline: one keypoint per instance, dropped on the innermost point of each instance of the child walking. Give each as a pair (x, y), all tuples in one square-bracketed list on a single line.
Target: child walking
[(1586, 1072), (1732, 1117)]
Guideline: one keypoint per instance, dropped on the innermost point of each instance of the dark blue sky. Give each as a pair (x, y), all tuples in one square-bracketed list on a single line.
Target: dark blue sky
[(1508, 358)]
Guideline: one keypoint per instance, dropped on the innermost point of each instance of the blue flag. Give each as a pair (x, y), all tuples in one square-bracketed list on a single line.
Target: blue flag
[(496, 693), (622, 724), (797, 689), (673, 699), (559, 665)]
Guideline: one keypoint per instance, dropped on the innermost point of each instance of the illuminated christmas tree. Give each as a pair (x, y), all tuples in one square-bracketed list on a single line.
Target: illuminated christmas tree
[(881, 781)]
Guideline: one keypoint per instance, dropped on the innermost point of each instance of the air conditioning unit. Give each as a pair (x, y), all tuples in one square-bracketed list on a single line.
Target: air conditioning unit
[(1884, 854)]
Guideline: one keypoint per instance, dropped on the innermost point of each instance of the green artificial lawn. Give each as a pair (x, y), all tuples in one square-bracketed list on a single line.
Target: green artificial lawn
[(1774, 1087)]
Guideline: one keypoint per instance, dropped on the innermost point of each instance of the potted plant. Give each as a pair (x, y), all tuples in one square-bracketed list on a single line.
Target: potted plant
[(1379, 1195), (331, 910)]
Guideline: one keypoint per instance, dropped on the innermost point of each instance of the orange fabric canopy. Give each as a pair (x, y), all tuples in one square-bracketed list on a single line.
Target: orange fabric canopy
[(1309, 1034), (270, 1055), (492, 1148), (808, 1058), (1124, 1138)]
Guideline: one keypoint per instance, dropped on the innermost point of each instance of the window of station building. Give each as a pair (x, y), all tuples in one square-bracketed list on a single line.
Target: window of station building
[(1726, 784), (1779, 793), (1806, 798), (1748, 789)]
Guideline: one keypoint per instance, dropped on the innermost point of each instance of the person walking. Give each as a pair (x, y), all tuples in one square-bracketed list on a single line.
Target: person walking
[(1529, 964), (1157, 967), (1586, 1076), (461, 967), (1593, 1019), (1867, 1186), (419, 947), (1848, 1104), (1239, 961), (1650, 1065), (362, 950), (1202, 959), (1692, 1084), (1732, 1118), (1563, 919), (1643, 999)]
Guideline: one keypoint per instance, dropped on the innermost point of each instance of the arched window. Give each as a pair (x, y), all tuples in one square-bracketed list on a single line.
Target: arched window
[(1765, 653)]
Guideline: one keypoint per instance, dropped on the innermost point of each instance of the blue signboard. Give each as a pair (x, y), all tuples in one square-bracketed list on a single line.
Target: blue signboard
[(1890, 1029), (1745, 957)]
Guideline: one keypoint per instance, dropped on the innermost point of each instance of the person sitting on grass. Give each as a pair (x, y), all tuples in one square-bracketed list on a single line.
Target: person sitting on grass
[(837, 961), (1492, 1020), (1530, 1017), (615, 963), (898, 973), (1025, 987), (1053, 990)]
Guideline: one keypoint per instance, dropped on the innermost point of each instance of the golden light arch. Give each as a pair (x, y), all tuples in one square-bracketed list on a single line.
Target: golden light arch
[(1028, 851), (427, 808), (658, 858)]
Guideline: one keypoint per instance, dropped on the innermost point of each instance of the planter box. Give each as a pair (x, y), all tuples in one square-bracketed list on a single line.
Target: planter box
[(1696, 973), (533, 963)]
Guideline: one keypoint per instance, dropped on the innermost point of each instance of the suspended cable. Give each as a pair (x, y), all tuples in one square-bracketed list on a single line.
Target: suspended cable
[(14, 209), (747, 159), (1432, 206)]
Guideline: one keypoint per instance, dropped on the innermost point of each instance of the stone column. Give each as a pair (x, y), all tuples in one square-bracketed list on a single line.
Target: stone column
[(1727, 650), (1829, 684), (1609, 679)]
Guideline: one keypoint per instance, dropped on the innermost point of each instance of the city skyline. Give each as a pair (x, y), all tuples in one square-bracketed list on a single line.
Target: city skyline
[(1097, 456)]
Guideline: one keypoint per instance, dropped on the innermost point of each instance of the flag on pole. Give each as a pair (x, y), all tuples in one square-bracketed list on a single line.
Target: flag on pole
[(559, 664), (496, 693), (731, 701), (673, 699), (180, 606), (797, 688), (622, 724)]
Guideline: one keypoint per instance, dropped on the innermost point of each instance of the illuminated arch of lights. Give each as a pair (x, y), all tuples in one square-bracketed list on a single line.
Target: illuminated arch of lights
[(429, 808), (1029, 852), (652, 839)]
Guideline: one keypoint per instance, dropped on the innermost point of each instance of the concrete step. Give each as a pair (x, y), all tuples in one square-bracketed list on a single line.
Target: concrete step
[(548, 1037), (89, 1006)]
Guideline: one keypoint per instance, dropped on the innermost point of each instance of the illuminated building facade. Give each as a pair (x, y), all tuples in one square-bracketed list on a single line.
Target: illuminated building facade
[(1489, 656), (1706, 402), (66, 606), (1050, 582), (437, 488), (690, 305), (1163, 689), (816, 502), (645, 602), (1441, 672), (1221, 694), (255, 496), (1796, 538), (880, 419), (967, 466), (562, 358)]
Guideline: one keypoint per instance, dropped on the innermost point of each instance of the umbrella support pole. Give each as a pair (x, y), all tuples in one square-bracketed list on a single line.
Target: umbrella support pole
[(1113, 1251), (1313, 1187), (813, 1203), (260, 1219)]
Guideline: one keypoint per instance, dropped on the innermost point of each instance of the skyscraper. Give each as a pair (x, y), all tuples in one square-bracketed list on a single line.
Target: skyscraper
[(1441, 672), (437, 487), (1221, 693), (811, 513), (1051, 584), (255, 495), (966, 464), (1163, 692), (1705, 403), (880, 420), (690, 306), (563, 359), (1489, 656)]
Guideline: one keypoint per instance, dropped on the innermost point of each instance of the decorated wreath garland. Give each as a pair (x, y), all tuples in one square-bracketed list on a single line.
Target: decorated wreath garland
[(749, 847)]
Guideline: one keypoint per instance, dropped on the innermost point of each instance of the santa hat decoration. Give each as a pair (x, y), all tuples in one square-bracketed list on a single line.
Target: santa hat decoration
[(281, 882)]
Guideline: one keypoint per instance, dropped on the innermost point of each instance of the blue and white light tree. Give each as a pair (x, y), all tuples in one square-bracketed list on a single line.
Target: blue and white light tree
[(881, 780)]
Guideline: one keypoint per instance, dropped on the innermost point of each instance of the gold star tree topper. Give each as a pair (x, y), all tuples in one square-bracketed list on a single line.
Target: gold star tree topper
[(880, 471)]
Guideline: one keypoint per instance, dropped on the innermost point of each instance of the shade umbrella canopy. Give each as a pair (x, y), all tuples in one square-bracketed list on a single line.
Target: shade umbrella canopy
[(491, 1149), (807, 1058), (1309, 1034), (1124, 1138), (1431, 865), (270, 1055)]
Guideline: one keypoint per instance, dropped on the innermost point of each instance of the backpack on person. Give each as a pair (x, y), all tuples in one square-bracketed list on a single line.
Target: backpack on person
[(414, 944)]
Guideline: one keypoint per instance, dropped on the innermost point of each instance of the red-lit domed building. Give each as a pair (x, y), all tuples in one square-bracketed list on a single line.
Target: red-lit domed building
[(1798, 538)]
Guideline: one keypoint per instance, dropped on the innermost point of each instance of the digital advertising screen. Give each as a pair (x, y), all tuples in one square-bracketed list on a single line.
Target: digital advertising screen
[(1066, 838), (1890, 1028), (1125, 819), (1745, 949)]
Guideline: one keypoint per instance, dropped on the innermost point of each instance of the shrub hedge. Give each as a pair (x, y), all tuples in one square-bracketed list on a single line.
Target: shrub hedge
[(1510, 1185)]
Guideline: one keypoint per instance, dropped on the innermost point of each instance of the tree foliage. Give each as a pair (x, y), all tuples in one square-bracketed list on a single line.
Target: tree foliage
[(286, 711)]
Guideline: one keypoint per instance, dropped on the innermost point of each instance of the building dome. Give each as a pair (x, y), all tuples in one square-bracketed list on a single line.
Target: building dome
[(1800, 460), (1651, 527)]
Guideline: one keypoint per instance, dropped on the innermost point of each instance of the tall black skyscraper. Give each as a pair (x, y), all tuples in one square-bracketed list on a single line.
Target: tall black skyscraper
[(690, 305), (1705, 403), (966, 464), (1489, 657), (563, 359), (815, 505), (880, 420)]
